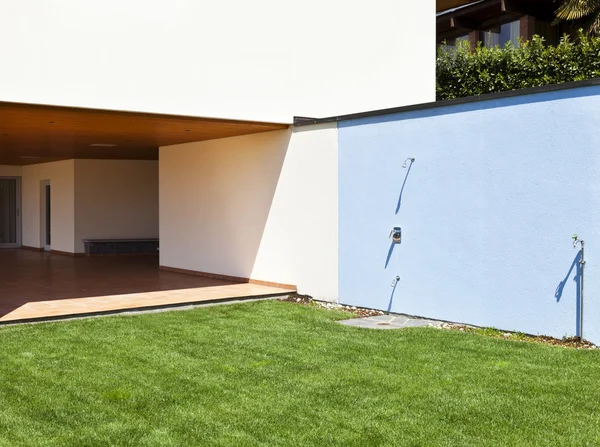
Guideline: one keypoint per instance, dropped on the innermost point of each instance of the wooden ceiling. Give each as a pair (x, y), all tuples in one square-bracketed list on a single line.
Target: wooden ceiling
[(442, 5), (32, 134)]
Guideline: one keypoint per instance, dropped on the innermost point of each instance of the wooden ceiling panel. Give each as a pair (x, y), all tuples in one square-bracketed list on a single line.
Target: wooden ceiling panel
[(32, 133)]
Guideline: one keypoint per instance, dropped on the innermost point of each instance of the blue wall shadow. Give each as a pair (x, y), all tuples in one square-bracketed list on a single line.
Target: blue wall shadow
[(402, 190), (389, 308), (389, 255), (575, 265)]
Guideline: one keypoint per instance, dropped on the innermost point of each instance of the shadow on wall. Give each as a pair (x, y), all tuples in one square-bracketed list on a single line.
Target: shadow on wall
[(221, 192), (389, 255), (575, 265), (394, 285), (399, 204), (256, 173), (402, 189)]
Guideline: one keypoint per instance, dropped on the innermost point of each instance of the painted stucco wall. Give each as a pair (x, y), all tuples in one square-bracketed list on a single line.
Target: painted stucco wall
[(10, 171), (115, 199), (62, 181), (260, 206), (487, 212), (299, 244), (261, 60), (90, 199)]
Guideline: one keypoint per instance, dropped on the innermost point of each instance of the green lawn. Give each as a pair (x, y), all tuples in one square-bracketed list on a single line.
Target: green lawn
[(274, 373)]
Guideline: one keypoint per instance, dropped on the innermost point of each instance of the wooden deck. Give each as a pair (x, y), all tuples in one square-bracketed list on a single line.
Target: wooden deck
[(37, 286)]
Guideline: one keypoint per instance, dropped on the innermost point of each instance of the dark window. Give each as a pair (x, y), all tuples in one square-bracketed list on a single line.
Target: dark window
[(547, 31), (451, 44), (501, 34)]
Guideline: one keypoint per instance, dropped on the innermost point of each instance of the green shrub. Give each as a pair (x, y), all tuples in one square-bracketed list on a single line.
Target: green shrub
[(461, 72)]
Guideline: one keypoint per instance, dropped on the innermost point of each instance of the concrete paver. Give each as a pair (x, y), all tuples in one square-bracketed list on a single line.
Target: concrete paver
[(390, 322)]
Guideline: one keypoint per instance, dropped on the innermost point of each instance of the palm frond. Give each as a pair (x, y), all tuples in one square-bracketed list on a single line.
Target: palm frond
[(591, 24), (577, 9)]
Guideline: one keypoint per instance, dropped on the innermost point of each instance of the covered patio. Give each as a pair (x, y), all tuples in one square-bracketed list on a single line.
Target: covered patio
[(37, 285), (69, 175)]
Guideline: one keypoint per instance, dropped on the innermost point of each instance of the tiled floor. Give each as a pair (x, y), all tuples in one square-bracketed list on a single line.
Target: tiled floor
[(40, 285)]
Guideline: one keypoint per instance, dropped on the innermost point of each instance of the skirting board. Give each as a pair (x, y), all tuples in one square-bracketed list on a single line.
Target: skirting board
[(27, 247), (228, 278), (87, 255), (78, 255), (66, 253)]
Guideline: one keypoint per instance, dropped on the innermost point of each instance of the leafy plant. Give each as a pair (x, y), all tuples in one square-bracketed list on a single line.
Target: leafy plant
[(586, 12), (461, 72)]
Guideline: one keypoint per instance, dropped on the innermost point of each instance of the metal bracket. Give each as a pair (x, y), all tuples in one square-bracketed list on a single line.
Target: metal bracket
[(396, 235)]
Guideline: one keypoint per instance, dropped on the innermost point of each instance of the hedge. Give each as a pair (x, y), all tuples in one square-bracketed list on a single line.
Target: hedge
[(461, 72)]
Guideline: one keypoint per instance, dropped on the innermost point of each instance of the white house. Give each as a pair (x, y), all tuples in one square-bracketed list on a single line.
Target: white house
[(193, 127), (174, 120)]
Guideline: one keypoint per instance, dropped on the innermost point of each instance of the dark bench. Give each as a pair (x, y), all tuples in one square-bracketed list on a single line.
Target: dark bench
[(97, 247)]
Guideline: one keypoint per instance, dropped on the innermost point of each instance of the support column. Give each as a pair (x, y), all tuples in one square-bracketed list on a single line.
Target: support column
[(527, 27), (473, 39)]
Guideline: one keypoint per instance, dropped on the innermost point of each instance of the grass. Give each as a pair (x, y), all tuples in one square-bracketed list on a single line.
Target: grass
[(274, 373)]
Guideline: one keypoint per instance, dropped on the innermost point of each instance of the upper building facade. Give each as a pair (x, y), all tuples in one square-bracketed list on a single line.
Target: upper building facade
[(261, 60), (172, 120), (497, 22)]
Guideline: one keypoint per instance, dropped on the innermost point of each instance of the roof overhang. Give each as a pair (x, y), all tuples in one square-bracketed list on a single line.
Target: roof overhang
[(477, 15), (33, 133), (442, 5)]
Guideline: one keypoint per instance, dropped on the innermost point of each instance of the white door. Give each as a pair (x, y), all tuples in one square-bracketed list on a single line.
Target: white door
[(10, 204)]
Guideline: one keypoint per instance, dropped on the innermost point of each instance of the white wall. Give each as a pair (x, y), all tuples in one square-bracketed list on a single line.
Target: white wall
[(261, 206), (62, 181), (90, 199), (10, 171), (300, 245), (115, 199), (263, 60)]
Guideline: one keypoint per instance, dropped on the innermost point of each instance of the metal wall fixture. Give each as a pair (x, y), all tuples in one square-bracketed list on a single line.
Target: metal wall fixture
[(576, 241), (396, 235), (409, 159)]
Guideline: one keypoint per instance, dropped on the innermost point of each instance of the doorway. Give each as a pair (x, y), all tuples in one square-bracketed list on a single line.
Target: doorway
[(10, 212), (46, 215)]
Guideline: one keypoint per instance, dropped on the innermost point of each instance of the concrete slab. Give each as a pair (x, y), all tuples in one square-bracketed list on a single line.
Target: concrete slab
[(390, 322)]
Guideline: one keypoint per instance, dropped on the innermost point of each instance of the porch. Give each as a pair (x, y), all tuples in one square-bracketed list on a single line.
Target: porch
[(223, 198), (38, 285)]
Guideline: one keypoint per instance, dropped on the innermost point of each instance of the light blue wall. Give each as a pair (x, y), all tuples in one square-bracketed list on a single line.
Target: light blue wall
[(487, 211)]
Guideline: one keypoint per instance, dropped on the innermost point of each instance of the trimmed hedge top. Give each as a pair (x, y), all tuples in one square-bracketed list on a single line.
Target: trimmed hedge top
[(461, 72)]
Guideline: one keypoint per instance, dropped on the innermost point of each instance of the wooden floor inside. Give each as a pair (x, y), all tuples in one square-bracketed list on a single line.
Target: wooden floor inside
[(38, 285)]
